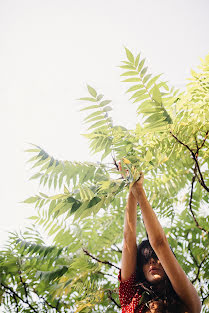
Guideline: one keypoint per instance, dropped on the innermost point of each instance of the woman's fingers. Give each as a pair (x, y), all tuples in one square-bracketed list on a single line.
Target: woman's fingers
[(141, 178), (120, 169)]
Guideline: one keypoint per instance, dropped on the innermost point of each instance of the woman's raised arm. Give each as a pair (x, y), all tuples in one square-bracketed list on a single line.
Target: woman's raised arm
[(181, 284), (129, 252)]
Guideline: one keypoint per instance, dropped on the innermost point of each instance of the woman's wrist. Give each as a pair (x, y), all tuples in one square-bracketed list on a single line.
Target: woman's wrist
[(137, 190)]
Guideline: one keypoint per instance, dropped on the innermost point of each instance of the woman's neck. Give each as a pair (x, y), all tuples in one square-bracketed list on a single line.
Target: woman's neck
[(159, 287)]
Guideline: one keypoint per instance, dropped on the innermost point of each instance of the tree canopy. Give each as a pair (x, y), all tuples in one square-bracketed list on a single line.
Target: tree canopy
[(81, 205)]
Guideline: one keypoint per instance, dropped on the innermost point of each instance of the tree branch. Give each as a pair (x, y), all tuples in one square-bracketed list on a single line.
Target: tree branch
[(202, 292), (58, 302), (46, 302), (204, 298), (204, 140), (118, 249), (190, 203), (24, 285), (96, 259), (196, 263), (202, 182), (107, 274), (16, 295), (109, 294), (17, 310)]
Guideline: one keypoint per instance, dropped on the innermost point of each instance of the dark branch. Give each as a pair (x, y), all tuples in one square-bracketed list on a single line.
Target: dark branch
[(109, 294), (107, 274), (96, 259), (196, 263), (204, 298), (204, 140), (202, 182), (115, 163), (118, 249), (190, 204), (58, 302), (24, 285), (202, 292), (17, 309), (16, 295), (15, 298), (46, 302)]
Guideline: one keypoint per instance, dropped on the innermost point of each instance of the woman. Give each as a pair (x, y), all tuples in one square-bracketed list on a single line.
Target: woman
[(151, 279)]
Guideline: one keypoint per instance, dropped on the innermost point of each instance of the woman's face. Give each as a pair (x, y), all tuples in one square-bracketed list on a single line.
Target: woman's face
[(153, 271)]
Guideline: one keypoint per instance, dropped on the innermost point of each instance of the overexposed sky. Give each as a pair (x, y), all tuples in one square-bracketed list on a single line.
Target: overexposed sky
[(50, 49)]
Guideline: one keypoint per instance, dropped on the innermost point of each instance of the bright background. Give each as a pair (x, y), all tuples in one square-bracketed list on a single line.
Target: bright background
[(50, 49)]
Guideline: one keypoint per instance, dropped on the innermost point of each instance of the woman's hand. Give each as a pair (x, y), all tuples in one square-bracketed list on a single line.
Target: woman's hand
[(137, 187)]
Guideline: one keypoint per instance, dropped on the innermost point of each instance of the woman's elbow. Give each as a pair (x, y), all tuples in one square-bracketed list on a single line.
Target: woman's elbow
[(158, 241)]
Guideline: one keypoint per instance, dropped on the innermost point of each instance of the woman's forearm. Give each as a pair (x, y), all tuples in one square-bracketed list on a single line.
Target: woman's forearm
[(130, 219), (129, 251), (154, 229)]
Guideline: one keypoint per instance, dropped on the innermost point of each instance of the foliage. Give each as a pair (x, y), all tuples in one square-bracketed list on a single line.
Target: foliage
[(84, 208)]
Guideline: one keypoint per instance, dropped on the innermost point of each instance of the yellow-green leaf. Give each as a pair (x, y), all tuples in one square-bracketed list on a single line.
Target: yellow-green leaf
[(146, 78), (92, 91), (141, 64), (130, 73), (105, 102), (97, 124), (138, 93), (148, 156), (143, 71), (90, 107), (135, 87), (88, 99), (128, 67), (156, 94), (132, 80), (152, 81), (129, 55), (142, 97), (137, 60)]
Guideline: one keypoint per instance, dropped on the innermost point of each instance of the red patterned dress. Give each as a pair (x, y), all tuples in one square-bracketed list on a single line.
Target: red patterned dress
[(129, 295), (133, 300)]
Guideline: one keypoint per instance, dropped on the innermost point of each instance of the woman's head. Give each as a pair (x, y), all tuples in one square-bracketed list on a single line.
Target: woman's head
[(149, 267), (153, 279)]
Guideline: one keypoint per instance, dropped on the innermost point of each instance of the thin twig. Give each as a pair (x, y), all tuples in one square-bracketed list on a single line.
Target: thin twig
[(109, 294), (202, 182), (46, 302), (105, 274), (204, 140), (96, 259), (15, 294), (204, 298), (24, 285), (196, 263), (190, 204), (118, 249), (17, 310)]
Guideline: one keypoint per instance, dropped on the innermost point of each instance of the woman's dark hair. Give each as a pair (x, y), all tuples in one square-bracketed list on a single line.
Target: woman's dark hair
[(144, 253), (168, 296)]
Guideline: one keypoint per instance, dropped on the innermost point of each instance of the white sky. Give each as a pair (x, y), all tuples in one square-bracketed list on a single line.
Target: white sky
[(50, 49)]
